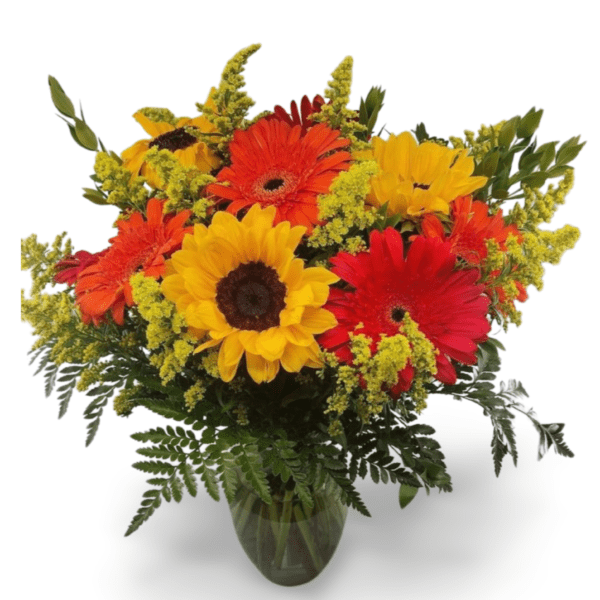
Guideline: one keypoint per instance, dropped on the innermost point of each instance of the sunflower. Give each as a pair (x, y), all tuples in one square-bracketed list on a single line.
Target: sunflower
[(447, 304), (415, 179), (140, 245), (241, 283), (273, 164), (188, 149)]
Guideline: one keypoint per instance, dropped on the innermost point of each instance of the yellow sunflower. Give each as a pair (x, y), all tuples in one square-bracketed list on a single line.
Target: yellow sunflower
[(188, 149), (419, 178), (240, 283)]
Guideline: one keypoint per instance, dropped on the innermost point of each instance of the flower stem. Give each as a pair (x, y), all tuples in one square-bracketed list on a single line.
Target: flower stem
[(284, 527), (302, 523)]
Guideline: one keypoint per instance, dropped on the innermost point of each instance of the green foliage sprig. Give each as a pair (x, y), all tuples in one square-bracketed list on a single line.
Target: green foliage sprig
[(496, 148), (498, 406)]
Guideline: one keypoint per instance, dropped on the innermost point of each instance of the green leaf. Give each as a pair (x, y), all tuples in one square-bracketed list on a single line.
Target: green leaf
[(548, 152), (209, 478), (189, 478), (535, 180), (143, 514), (94, 196), (176, 488), (250, 463), (87, 138), (568, 151), (508, 131), (489, 164), (374, 473), (529, 123), (406, 495), (557, 171), (60, 100), (158, 467)]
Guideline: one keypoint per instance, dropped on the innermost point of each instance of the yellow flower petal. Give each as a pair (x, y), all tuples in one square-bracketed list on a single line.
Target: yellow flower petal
[(207, 344), (205, 314), (319, 274), (291, 316), (248, 339), (231, 351), (294, 358), (271, 343), (318, 320), (152, 128), (261, 370), (302, 297), (299, 335)]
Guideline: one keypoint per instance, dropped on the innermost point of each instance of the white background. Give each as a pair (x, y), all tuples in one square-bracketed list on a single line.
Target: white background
[(454, 65)]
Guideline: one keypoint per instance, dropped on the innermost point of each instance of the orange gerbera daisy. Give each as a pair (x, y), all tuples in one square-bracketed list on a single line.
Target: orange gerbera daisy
[(472, 226), (140, 245), (273, 164)]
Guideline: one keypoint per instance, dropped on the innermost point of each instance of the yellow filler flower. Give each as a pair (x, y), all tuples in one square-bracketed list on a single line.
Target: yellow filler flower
[(176, 138), (419, 178), (240, 282)]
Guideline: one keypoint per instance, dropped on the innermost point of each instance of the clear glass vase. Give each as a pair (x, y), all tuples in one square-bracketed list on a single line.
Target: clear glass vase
[(289, 543)]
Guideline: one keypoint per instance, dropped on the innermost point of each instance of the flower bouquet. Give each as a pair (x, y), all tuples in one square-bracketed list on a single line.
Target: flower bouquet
[(290, 289)]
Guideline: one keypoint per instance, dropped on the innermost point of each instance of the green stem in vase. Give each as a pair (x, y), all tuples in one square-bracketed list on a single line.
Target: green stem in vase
[(262, 532), (284, 527), (246, 510), (302, 522), (274, 517)]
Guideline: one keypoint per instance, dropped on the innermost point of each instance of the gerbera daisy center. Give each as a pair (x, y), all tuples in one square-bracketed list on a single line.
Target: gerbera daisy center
[(178, 139), (273, 184), (397, 314), (251, 297)]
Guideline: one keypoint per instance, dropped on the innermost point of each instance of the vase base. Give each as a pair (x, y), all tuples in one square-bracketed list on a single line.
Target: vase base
[(290, 544)]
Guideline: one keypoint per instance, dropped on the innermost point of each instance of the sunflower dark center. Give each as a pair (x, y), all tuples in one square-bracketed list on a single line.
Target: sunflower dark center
[(251, 297), (421, 186), (397, 314), (178, 139), (273, 184)]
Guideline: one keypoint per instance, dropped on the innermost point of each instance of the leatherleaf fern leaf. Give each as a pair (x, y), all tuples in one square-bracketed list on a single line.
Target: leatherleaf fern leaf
[(499, 406), (175, 454)]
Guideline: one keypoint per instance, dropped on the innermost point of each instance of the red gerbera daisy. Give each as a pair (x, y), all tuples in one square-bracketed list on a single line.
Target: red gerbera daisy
[(273, 164), (295, 117), (471, 228), (69, 268), (447, 304), (140, 245)]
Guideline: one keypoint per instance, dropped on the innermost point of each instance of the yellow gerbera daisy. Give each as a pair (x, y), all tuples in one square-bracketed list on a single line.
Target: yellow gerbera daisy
[(240, 283), (419, 178), (189, 150)]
